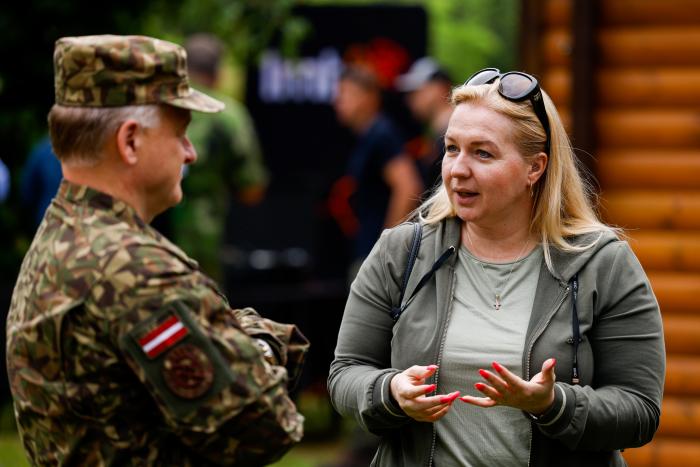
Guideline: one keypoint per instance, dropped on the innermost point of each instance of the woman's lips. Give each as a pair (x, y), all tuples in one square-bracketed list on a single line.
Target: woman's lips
[(465, 197)]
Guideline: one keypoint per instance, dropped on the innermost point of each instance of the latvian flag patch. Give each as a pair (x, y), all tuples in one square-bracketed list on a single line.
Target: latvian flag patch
[(162, 337)]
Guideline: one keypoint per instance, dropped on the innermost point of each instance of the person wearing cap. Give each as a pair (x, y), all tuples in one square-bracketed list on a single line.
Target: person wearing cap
[(428, 87), (383, 181), (229, 163), (119, 350)]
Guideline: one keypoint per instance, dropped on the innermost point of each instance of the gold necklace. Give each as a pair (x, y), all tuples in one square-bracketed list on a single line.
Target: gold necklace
[(498, 295)]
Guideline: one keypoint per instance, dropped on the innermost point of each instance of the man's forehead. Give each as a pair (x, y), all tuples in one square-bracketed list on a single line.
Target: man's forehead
[(177, 114)]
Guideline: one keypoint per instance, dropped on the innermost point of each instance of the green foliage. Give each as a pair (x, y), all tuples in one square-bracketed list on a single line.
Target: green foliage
[(468, 35), (464, 35), (246, 26)]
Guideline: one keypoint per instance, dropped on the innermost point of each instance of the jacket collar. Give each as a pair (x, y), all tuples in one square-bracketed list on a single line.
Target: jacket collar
[(83, 195), (72, 196)]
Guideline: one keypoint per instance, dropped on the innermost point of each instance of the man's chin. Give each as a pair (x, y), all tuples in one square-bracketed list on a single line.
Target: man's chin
[(177, 196), (174, 199)]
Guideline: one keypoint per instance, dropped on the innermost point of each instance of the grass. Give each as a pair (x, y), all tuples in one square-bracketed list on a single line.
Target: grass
[(12, 452), (317, 448), (309, 454)]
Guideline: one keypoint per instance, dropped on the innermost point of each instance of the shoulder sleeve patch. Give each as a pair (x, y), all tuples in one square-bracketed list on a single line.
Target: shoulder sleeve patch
[(176, 359)]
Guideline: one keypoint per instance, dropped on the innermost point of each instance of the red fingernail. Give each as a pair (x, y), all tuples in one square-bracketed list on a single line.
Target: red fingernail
[(432, 367), (554, 361), (449, 397), (430, 388), (483, 373), (479, 386), (497, 367)]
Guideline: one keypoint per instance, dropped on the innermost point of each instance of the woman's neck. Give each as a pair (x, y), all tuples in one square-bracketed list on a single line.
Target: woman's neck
[(498, 244)]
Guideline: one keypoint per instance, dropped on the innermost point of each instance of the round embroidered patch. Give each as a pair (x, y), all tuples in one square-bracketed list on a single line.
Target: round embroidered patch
[(187, 371)]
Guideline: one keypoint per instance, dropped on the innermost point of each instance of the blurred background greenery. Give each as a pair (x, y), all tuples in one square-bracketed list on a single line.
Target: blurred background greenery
[(464, 35)]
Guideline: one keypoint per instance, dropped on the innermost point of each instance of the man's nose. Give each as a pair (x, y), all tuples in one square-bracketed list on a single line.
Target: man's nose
[(190, 152)]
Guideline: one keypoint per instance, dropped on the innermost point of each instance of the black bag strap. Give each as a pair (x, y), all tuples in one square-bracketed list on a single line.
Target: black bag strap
[(412, 255), (396, 310), (424, 280)]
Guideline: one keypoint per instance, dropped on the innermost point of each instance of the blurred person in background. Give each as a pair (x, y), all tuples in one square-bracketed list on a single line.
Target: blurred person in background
[(428, 87), (382, 182), (381, 187), (520, 300), (4, 181), (119, 349), (229, 163), (41, 177)]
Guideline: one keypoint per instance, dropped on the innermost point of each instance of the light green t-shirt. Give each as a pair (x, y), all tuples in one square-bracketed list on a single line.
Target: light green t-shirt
[(477, 335)]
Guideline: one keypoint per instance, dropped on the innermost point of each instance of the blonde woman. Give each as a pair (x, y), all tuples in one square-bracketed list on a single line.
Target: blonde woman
[(528, 333)]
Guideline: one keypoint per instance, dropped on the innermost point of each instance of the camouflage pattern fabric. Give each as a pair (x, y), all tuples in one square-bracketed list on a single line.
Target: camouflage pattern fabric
[(119, 351), (108, 71), (229, 161)]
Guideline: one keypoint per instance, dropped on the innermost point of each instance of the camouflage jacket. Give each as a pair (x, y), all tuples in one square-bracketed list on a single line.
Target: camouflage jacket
[(119, 351)]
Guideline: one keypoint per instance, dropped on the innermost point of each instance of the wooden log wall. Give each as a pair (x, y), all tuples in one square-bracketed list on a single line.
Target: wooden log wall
[(647, 150)]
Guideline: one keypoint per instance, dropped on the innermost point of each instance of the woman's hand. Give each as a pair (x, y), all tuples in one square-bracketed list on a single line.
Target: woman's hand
[(505, 388), (409, 390)]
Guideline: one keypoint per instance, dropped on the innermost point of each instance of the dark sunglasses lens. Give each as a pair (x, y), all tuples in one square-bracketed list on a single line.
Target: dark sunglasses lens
[(515, 85), (485, 76)]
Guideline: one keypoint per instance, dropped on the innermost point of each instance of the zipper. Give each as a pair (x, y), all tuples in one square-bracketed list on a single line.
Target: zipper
[(535, 336), (439, 358)]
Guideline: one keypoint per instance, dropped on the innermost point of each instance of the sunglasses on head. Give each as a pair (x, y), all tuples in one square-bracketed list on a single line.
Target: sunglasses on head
[(516, 86)]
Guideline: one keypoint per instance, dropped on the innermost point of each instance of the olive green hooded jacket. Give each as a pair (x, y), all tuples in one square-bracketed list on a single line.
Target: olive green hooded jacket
[(621, 356)]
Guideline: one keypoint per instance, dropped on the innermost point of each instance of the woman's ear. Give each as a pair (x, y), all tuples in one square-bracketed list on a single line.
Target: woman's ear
[(538, 164), (128, 141)]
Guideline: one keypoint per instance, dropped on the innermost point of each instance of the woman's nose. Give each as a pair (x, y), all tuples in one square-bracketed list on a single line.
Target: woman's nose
[(460, 166)]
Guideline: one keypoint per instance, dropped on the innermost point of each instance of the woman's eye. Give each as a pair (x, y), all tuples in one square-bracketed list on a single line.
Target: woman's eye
[(483, 154), (451, 148)]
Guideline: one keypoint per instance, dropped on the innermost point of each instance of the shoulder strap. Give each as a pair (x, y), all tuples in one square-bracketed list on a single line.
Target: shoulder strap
[(428, 275), (396, 310)]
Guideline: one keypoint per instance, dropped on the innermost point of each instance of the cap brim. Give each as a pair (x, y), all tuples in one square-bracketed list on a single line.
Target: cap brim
[(197, 101), (409, 82)]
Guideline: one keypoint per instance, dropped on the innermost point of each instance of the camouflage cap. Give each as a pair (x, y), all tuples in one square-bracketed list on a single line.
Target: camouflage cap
[(110, 71)]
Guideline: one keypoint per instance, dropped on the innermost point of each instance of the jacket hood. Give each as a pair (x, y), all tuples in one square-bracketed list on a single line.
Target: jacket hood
[(568, 263)]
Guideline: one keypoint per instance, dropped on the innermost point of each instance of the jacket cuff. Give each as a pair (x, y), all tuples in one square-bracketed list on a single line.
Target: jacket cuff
[(558, 416), (382, 398), (288, 345)]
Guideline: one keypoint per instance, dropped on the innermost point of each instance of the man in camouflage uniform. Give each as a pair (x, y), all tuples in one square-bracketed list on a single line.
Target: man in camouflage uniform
[(229, 163), (119, 350)]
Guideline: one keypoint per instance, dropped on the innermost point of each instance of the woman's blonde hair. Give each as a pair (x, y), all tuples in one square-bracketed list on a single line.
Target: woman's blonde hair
[(562, 207)]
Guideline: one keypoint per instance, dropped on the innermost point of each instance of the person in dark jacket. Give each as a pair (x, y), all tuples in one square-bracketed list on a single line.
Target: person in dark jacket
[(528, 334), (385, 183)]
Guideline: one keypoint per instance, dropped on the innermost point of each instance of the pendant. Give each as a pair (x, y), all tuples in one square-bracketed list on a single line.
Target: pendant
[(497, 305)]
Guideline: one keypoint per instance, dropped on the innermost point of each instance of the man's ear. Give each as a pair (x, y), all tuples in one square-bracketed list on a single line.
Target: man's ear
[(129, 141), (538, 164)]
